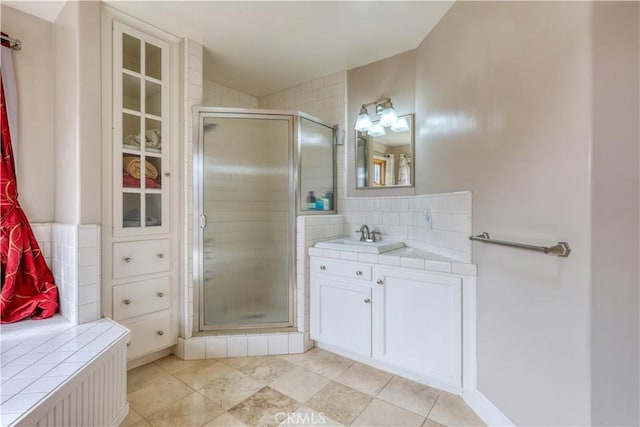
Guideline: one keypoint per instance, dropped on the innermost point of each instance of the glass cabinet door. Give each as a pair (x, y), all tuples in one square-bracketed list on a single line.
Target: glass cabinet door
[(140, 131)]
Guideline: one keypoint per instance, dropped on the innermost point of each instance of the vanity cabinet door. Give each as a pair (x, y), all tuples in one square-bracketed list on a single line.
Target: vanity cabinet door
[(418, 323), (341, 314)]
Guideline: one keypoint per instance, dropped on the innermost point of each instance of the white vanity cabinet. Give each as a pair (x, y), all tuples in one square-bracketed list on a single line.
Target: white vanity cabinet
[(341, 305), (418, 322), (404, 320)]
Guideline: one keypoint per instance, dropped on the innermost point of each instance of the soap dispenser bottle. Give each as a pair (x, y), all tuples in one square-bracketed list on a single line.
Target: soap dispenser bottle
[(311, 201)]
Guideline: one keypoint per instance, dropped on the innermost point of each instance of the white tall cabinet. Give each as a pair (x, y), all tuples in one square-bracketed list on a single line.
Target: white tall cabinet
[(139, 245)]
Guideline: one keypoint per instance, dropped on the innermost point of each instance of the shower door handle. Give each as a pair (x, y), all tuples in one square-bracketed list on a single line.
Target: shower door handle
[(203, 221)]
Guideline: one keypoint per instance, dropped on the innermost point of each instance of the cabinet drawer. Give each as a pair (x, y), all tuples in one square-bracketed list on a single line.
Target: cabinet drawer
[(150, 335), (135, 299), (143, 257), (349, 270)]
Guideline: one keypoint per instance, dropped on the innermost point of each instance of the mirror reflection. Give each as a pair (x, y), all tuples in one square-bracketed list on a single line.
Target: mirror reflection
[(384, 158)]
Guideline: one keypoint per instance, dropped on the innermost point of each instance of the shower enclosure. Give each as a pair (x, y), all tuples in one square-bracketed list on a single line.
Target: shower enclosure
[(246, 185)]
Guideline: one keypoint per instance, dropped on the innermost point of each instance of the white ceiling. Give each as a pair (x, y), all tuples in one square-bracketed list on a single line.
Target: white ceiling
[(43, 9), (261, 47)]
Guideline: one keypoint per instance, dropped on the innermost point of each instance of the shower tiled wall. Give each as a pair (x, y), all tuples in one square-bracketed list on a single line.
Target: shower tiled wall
[(217, 95), (193, 87), (324, 98)]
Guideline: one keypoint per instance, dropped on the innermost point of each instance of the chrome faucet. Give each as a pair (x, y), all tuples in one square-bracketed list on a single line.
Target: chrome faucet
[(365, 235)]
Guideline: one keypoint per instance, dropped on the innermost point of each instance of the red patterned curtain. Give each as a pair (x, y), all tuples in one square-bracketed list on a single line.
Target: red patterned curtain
[(28, 289)]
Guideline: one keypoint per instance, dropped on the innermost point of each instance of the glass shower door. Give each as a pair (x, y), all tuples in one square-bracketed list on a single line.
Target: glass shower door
[(246, 242)]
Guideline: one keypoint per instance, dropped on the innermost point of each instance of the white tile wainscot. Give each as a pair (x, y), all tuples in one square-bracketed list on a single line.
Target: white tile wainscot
[(433, 342), (54, 372)]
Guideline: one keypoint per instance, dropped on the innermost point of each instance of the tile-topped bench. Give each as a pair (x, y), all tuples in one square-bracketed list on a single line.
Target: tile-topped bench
[(53, 372)]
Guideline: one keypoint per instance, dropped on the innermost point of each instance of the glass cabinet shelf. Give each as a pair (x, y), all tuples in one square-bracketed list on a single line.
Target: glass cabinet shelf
[(141, 79)]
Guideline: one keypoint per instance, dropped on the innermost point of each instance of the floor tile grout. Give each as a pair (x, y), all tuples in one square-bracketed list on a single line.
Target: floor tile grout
[(322, 360)]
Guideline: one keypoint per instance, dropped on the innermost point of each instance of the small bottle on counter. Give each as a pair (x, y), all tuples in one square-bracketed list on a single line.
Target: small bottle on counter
[(311, 201), (326, 205)]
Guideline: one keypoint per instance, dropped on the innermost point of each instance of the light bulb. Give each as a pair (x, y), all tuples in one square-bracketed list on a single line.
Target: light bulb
[(400, 125), (377, 130)]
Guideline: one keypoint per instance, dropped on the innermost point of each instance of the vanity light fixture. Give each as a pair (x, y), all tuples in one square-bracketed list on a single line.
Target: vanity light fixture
[(384, 108)]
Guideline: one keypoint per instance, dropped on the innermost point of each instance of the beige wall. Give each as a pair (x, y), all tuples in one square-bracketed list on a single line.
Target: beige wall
[(614, 214), (66, 116), (90, 120), (34, 79), (77, 113), (392, 77), (510, 98)]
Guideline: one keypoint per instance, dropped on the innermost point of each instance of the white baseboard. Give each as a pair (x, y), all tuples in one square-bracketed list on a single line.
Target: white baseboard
[(485, 409)]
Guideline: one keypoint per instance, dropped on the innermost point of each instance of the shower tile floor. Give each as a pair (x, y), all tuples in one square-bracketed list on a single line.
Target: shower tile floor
[(317, 388)]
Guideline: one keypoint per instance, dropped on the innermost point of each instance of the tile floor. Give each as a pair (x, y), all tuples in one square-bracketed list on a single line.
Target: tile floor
[(317, 388)]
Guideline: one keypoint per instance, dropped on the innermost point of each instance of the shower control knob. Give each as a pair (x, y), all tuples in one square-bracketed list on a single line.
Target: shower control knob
[(367, 300), (379, 281), (160, 294), (127, 301), (160, 256), (161, 333), (323, 267), (126, 259), (358, 273)]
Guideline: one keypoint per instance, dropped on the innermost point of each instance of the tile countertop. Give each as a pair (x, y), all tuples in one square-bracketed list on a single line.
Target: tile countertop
[(39, 356), (404, 257)]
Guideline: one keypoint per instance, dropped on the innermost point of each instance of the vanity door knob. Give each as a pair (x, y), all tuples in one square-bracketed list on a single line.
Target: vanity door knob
[(160, 256), (127, 259), (379, 281), (323, 267), (127, 301), (161, 333), (129, 344), (160, 294), (358, 273), (367, 300)]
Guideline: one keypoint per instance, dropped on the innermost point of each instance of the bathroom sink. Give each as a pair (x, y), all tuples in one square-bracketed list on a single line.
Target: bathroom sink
[(354, 245)]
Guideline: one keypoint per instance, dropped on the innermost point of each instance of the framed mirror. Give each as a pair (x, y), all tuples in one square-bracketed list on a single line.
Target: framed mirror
[(385, 160)]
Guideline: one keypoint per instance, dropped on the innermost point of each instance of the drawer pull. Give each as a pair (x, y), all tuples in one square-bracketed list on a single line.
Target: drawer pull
[(358, 273), (367, 300), (160, 294), (161, 333), (127, 301), (379, 281), (129, 344), (160, 256), (323, 267), (127, 259)]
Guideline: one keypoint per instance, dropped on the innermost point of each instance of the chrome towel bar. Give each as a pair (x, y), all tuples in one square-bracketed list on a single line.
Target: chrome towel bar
[(561, 248)]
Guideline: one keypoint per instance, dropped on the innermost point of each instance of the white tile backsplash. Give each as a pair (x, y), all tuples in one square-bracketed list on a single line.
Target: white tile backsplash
[(403, 218)]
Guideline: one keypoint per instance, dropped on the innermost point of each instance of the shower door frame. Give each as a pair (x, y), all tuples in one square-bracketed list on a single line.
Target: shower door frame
[(199, 220)]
